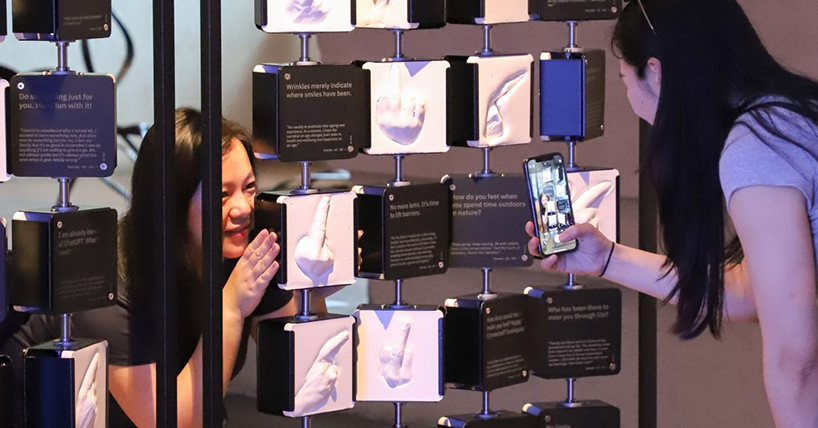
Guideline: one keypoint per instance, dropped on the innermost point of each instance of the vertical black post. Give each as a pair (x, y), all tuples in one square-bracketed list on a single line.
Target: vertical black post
[(212, 210), (648, 238), (163, 258)]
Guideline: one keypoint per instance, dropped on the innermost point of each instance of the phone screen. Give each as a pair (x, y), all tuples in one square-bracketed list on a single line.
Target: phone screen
[(551, 203)]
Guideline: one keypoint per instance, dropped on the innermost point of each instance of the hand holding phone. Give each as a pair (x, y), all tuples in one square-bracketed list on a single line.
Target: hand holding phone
[(550, 202)]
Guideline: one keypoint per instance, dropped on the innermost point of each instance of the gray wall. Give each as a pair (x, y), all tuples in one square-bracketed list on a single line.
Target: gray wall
[(702, 382)]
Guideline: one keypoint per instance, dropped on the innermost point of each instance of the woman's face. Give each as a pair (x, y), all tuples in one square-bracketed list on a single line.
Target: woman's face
[(238, 198), (643, 94)]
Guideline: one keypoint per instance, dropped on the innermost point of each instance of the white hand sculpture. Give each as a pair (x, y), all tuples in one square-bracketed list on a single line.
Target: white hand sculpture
[(586, 204), (309, 11), (378, 14), (400, 114), (495, 125), (320, 380), (396, 359), (312, 254), (87, 398)]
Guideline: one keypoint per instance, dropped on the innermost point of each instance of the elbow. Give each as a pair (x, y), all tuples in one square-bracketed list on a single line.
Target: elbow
[(798, 362)]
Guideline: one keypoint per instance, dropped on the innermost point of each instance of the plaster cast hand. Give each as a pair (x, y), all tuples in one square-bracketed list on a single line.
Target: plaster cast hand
[(313, 255), (400, 113), (87, 397), (320, 380), (252, 274), (586, 204), (589, 257), (309, 11), (498, 105), (396, 359)]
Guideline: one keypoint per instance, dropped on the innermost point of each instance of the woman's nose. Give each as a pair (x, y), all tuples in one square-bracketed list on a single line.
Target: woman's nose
[(240, 207)]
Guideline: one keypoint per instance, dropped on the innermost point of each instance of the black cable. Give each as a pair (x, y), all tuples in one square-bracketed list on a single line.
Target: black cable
[(86, 56), (129, 50)]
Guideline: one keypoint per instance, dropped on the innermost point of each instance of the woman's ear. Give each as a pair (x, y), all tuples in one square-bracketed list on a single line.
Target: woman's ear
[(654, 74)]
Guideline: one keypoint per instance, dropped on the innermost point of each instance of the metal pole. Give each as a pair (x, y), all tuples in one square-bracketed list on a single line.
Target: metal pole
[(398, 44), (305, 176), (399, 292), (62, 57), (399, 416), (164, 275), (306, 422), (572, 35), (570, 284), (486, 39), (305, 47), (65, 192), (399, 168), (647, 316), (570, 399), (572, 151), (65, 324), (486, 281), (486, 404), (305, 303), (211, 90), (486, 161)]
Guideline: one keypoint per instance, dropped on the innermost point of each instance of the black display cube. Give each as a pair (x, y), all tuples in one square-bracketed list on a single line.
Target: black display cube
[(575, 10), (502, 419), (53, 375), (579, 332), (500, 201), (583, 414), (487, 12), (487, 341), (293, 218), (7, 392), (4, 247), (64, 262), (406, 230), (4, 167), (62, 125), (61, 20), (407, 15), (293, 353), (572, 95), (4, 29), (490, 100), (310, 113)]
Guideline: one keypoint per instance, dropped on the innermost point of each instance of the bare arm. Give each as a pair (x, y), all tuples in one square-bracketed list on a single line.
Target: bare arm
[(774, 229), (135, 387), (639, 270)]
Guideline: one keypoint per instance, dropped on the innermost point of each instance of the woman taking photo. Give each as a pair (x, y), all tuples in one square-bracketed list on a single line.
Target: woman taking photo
[(731, 128)]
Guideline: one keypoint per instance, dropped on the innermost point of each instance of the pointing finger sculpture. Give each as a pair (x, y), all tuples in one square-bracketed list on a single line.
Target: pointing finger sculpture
[(313, 254), (396, 359), (319, 383)]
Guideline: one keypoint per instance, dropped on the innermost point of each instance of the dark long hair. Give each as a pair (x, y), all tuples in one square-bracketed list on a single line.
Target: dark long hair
[(135, 237), (714, 69)]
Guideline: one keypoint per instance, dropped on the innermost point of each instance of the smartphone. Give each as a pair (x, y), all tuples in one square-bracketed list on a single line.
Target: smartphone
[(550, 202)]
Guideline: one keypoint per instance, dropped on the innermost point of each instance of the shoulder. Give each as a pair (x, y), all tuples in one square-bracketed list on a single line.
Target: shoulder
[(770, 145)]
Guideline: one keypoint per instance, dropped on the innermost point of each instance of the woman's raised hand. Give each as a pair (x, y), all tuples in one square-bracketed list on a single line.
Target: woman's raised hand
[(588, 259), (253, 273)]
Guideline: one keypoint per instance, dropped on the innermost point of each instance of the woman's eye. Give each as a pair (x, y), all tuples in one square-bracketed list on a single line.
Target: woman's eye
[(224, 195)]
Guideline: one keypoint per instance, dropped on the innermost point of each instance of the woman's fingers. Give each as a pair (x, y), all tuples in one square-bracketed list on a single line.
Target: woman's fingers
[(529, 229), (255, 244), (550, 262), (534, 246)]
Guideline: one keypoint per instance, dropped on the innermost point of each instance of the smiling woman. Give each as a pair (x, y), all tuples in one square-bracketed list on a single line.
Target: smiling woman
[(249, 268)]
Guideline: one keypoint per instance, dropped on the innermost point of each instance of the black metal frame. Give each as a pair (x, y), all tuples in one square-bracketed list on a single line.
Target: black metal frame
[(648, 239), (211, 73), (166, 291), (165, 274)]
